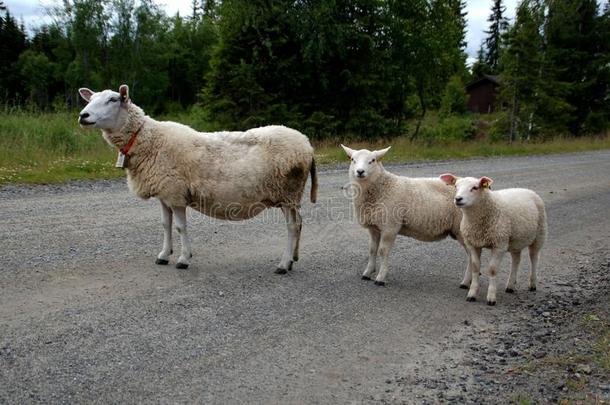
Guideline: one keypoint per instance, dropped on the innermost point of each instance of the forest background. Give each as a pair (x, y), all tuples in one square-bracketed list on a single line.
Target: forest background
[(365, 71)]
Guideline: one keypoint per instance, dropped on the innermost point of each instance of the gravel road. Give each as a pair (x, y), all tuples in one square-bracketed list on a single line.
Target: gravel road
[(86, 315)]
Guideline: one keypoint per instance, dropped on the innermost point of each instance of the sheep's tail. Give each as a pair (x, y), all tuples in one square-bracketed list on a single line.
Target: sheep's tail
[(313, 196)]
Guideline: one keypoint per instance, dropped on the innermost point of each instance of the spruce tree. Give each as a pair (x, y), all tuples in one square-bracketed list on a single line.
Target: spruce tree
[(479, 67), (576, 49), (497, 28)]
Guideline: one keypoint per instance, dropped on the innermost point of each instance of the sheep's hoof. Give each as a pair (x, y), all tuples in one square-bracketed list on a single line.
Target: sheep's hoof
[(295, 258), (182, 265), (280, 270), (471, 299), (533, 288), (366, 278), (191, 256), (161, 261), (171, 251), (464, 286), (491, 303), (510, 290), (380, 283)]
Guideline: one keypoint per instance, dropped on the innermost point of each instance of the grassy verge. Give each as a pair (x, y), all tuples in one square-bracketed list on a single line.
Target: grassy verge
[(405, 151), (51, 148)]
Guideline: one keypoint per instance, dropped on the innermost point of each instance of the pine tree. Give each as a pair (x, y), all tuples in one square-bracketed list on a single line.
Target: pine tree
[(479, 67), (493, 42), (531, 89), (13, 41), (576, 49)]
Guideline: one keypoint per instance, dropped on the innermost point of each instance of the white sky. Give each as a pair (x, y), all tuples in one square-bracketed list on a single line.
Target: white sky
[(33, 14)]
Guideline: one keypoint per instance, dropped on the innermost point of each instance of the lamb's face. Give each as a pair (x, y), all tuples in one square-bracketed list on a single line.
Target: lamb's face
[(365, 164), (468, 190), (105, 110)]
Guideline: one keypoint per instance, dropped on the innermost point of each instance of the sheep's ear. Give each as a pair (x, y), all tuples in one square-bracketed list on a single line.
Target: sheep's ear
[(348, 151), (448, 178), (485, 182), (85, 93), (379, 153), (124, 92)]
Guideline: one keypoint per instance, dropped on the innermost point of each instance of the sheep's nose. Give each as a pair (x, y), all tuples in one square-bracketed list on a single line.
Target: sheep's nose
[(83, 115), (360, 172), (458, 199)]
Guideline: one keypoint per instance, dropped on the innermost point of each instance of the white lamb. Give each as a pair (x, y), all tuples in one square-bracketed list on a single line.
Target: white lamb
[(226, 175), (388, 205), (505, 220)]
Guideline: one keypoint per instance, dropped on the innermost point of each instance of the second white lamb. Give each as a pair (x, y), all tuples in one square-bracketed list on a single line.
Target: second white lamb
[(508, 220)]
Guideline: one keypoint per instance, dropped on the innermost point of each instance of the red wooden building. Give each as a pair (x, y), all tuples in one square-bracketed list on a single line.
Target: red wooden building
[(482, 94)]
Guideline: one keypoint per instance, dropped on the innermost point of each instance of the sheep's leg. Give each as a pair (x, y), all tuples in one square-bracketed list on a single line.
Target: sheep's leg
[(514, 269), (375, 235), (293, 233), (185, 254), (468, 273), (494, 265), (475, 267), (166, 215), (385, 245), (299, 225), (534, 256)]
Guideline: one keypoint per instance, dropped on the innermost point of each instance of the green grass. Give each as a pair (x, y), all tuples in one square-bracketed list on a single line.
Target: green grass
[(405, 151), (41, 148), (51, 148)]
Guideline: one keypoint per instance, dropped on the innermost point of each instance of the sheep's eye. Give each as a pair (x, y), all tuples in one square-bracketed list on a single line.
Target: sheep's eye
[(372, 161), (112, 100), (475, 188)]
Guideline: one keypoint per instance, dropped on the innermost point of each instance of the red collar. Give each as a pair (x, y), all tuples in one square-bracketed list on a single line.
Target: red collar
[(125, 150)]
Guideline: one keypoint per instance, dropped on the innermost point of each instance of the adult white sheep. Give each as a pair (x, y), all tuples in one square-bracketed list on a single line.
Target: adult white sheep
[(505, 220), (388, 205), (226, 175)]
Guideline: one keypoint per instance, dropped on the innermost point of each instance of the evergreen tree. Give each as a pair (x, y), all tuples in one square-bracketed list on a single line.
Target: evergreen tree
[(574, 46), (536, 98), (12, 43), (497, 27), (479, 67)]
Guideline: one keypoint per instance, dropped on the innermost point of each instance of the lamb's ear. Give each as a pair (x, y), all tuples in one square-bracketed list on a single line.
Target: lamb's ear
[(348, 151), (85, 93), (124, 92), (448, 178), (379, 153), (485, 182)]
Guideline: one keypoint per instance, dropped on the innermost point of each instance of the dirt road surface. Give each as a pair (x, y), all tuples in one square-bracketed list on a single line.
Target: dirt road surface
[(86, 315)]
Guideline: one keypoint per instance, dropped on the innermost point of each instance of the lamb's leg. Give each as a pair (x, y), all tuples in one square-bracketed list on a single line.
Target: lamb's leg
[(375, 235), (468, 273), (475, 267), (185, 254), (387, 241), (291, 223), (514, 269), (166, 214), (534, 256), (494, 265)]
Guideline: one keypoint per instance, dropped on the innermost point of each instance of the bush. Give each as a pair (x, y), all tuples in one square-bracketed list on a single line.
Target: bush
[(450, 129), (455, 99), (320, 125)]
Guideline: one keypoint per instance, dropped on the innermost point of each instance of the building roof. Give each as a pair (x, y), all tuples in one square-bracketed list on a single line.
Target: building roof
[(495, 79)]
